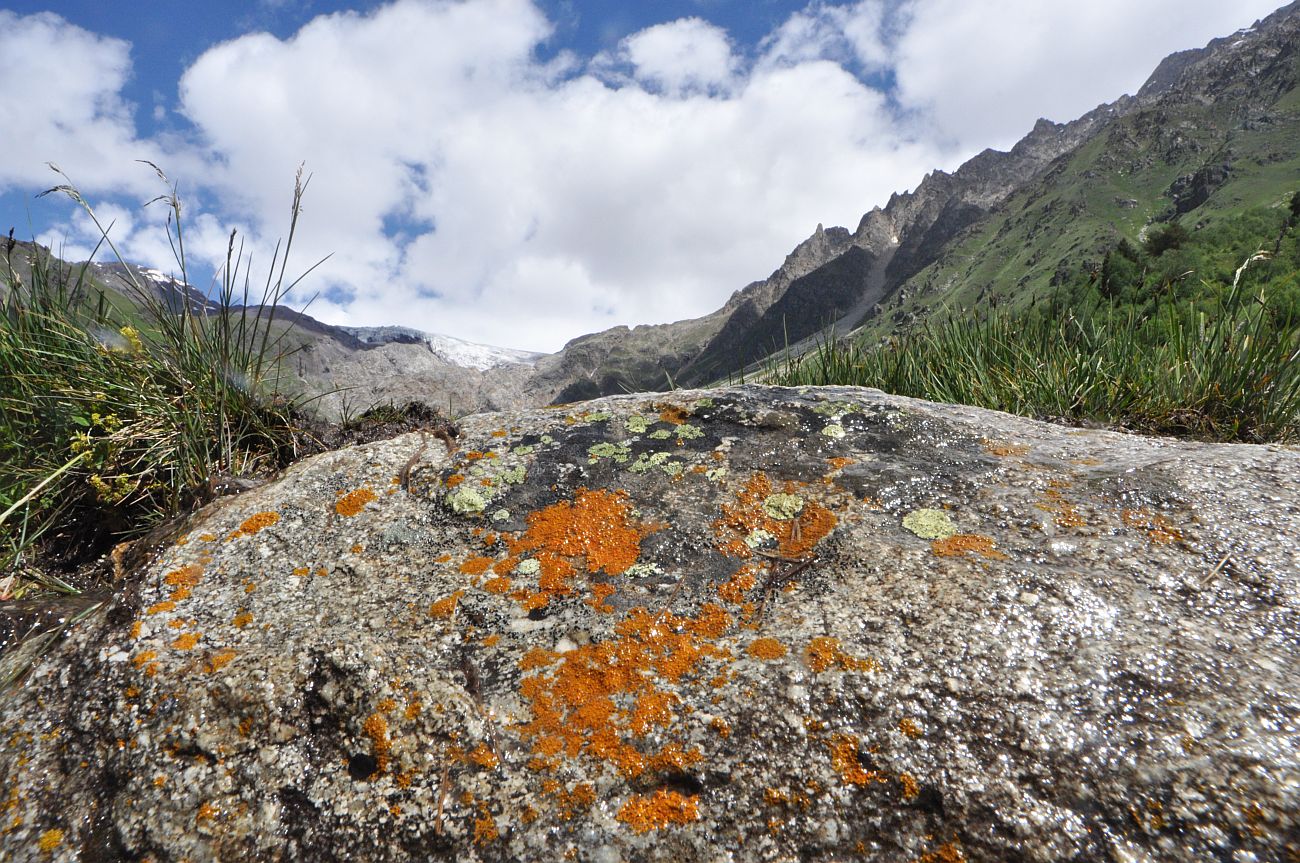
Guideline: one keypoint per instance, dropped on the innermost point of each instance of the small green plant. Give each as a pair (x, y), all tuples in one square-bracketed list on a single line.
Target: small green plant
[(115, 417)]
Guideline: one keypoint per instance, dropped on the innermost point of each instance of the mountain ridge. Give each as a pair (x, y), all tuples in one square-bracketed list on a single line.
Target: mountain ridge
[(1211, 129)]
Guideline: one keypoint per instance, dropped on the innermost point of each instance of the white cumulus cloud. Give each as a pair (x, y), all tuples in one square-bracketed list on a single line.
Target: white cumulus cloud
[(61, 102), (470, 179), (681, 56)]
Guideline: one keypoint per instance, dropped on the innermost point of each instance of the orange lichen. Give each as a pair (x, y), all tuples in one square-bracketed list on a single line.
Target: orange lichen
[(135, 629), (741, 583), (672, 414), (484, 757), (500, 584), (949, 852), (839, 463), (301, 571), (823, 653), (491, 640), (911, 789), (475, 565), (143, 658), (674, 759), (50, 840), (354, 501), (537, 657), (242, 619), (571, 803), (485, 829), (600, 593), (446, 607), (1065, 515), (844, 758), (376, 728), (591, 699), (187, 641), (1002, 450), (597, 526), (160, 607), (188, 575), (959, 544), (207, 812), (220, 660), (1159, 528), (795, 537), (652, 708), (251, 525), (386, 705), (721, 726), (659, 810), (910, 727), (453, 480), (712, 621), (357, 548), (767, 648), (414, 705)]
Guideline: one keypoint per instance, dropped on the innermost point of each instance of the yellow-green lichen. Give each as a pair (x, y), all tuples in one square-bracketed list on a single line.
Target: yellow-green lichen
[(514, 475), (759, 537), (466, 501), (529, 566), (661, 434), (596, 417), (646, 462), (783, 506), (716, 474), (644, 570), (704, 403), (686, 431), (835, 431), (636, 424), (836, 409), (929, 524), (618, 452), (501, 515)]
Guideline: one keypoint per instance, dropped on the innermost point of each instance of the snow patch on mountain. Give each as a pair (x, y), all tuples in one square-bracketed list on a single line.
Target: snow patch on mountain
[(459, 352)]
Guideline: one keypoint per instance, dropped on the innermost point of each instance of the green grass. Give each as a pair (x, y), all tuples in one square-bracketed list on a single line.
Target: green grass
[(1222, 366), (110, 426)]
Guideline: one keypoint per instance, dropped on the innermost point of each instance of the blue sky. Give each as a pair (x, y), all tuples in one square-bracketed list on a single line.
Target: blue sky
[(521, 172)]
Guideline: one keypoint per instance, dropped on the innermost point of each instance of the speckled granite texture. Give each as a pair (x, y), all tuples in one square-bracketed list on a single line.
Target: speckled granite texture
[(726, 625)]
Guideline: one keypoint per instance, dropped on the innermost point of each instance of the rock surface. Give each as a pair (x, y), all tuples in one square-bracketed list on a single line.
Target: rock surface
[(741, 624)]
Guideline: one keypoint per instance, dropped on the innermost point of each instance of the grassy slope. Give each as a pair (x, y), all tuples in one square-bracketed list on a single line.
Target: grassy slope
[(1076, 212)]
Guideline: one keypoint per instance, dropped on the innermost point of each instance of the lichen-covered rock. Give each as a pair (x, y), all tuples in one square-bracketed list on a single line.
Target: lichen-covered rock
[(695, 626)]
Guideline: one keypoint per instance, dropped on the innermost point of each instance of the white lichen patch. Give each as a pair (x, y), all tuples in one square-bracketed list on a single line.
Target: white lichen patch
[(643, 570), (528, 566), (758, 538), (929, 524)]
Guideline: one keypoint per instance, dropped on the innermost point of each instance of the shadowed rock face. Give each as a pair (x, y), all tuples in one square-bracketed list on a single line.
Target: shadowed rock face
[(748, 624)]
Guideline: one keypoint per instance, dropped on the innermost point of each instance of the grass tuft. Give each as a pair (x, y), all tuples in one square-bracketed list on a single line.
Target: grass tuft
[(1222, 369), (116, 417)]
